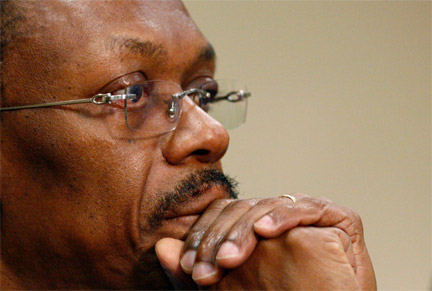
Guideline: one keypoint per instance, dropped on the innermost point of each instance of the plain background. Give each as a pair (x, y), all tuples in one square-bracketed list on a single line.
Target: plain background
[(341, 107)]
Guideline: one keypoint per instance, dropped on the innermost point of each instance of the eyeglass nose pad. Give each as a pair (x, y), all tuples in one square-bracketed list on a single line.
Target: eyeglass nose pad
[(172, 111), (175, 110)]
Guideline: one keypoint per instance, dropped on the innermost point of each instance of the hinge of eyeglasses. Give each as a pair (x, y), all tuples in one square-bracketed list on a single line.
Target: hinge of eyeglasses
[(191, 91), (108, 98)]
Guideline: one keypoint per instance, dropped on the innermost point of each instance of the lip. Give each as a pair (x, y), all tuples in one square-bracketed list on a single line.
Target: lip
[(197, 205)]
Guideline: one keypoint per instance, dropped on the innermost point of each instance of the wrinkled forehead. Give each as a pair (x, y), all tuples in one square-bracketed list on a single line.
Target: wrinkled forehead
[(98, 20), (104, 26), (151, 18)]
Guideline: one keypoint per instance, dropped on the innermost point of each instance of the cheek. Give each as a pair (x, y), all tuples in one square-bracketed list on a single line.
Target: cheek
[(81, 183)]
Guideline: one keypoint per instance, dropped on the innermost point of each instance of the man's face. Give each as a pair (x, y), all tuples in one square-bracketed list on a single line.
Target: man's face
[(80, 206)]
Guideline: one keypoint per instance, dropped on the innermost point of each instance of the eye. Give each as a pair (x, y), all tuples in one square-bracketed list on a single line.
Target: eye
[(126, 84), (143, 94), (211, 87), (137, 90), (206, 84)]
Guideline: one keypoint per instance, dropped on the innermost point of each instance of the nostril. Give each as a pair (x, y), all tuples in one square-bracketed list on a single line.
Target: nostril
[(201, 152)]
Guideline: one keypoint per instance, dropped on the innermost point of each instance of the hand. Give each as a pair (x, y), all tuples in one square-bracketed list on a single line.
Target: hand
[(306, 258), (237, 224)]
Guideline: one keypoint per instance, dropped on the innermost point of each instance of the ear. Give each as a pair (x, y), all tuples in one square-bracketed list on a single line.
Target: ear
[(168, 251)]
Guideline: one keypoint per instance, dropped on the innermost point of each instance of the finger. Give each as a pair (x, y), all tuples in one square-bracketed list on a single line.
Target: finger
[(168, 252), (310, 211), (209, 243), (321, 252), (201, 226), (347, 246), (241, 239), (205, 271), (197, 232), (340, 245)]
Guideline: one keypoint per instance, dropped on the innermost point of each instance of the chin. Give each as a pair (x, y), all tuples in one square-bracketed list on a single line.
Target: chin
[(148, 274)]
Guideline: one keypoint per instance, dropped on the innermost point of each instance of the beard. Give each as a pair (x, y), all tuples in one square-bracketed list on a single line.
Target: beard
[(190, 187), (148, 273)]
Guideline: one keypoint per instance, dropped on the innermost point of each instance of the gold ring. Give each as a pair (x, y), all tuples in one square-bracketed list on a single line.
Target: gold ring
[(293, 199)]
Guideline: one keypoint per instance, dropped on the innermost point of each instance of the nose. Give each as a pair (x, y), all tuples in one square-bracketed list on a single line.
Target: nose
[(197, 137)]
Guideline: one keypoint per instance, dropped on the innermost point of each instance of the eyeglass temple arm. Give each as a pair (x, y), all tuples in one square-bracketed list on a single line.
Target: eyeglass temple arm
[(98, 99), (191, 91), (241, 95), (204, 94)]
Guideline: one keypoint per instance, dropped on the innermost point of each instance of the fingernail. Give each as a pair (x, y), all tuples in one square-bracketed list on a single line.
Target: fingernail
[(187, 261), (264, 222), (203, 270), (227, 250)]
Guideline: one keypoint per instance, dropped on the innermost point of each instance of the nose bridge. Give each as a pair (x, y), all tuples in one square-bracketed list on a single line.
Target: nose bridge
[(194, 116), (197, 136)]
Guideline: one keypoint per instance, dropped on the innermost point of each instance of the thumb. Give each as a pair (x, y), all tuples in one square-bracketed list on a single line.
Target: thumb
[(168, 251)]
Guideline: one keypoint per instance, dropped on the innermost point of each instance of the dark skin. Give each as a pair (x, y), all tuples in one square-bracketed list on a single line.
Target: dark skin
[(77, 206), (302, 257)]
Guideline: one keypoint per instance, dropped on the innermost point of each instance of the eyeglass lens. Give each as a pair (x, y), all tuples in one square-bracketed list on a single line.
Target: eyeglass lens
[(154, 111)]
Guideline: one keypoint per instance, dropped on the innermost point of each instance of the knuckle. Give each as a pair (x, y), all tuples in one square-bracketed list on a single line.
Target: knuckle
[(333, 247), (321, 203), (335, 240), (281, 212), (194, 239), (206, 243), (205, 251), (313, 202), (239, 232), (354, 224), (316, 206), (220, 203), (314, 241), (337, 234), (324, 199), (297, 237), (268, 201), (300, 195), (310, 238), (236, 204), (354, 215)]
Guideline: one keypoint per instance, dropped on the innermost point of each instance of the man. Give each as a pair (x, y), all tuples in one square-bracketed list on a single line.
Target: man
[(127, 191)]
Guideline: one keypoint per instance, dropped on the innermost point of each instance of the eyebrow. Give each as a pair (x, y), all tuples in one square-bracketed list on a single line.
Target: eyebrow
[(149, 49), (142, 48)]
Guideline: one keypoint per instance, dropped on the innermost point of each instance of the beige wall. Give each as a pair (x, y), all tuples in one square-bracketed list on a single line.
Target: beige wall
[(341, 107)]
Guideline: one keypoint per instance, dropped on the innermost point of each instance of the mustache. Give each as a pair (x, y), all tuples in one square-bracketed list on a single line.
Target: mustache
[(192, 186)]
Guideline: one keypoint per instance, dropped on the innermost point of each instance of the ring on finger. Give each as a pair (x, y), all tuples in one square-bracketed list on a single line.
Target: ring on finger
[(293, 199)]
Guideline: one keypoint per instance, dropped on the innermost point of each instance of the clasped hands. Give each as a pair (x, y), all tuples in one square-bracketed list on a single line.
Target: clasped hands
[(271, 243)]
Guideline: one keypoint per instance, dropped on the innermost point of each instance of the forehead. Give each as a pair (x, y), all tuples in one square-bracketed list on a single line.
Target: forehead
[(95, 32), (164, 20)]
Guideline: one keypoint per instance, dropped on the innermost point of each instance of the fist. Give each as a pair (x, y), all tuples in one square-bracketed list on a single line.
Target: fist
[(306, 258)]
